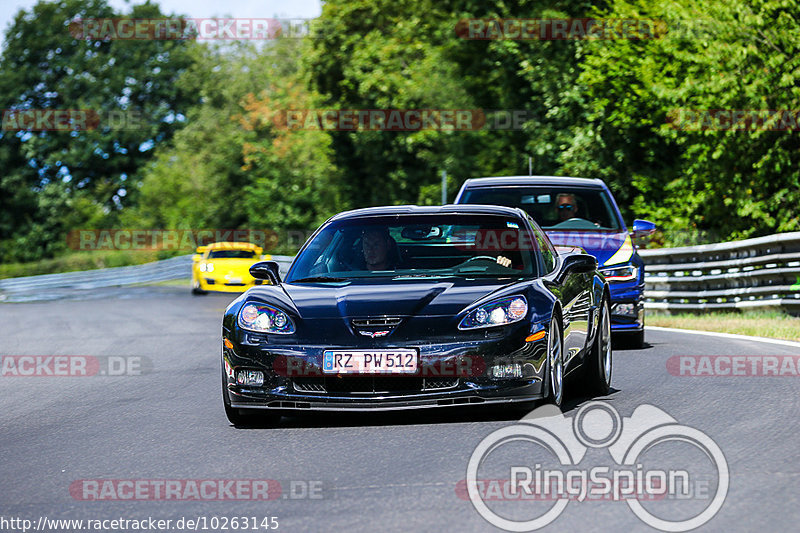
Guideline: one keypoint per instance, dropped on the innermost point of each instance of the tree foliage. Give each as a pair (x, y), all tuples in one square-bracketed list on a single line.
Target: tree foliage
[(55, 180), (211, 153)]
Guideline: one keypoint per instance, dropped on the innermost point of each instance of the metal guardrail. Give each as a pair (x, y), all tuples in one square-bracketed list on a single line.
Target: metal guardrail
[(168, 269), (748, 274)]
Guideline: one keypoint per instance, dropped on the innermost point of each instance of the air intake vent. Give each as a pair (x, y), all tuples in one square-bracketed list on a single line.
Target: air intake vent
[(384, 321), (364, 384)]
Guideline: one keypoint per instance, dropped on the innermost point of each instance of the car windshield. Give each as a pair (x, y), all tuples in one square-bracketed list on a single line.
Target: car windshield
[(231, 254), (418, 246), (553, 207)]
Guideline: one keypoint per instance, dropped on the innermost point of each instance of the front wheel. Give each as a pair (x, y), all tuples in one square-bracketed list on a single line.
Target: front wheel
[(196, 290), (598, 364), (636, 340), (245, 417), (555, 363)]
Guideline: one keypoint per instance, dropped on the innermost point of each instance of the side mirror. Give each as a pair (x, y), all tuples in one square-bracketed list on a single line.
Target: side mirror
[(575, 263), (642, 228), (580, 263), (268, 270), (196, 258)]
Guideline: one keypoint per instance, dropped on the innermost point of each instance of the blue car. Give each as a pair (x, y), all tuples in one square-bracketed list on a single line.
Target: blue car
[(579, 212)]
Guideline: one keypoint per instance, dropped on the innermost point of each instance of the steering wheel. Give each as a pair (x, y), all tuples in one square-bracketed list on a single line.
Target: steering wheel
[(479, 258)]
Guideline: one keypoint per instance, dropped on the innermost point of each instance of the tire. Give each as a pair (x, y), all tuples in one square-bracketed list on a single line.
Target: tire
[(630, 341), (598, 365), (636, 340), (245, 417), (555, 363), (196, 290)]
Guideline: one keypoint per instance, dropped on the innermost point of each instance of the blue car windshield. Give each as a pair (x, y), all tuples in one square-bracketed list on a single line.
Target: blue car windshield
[(419, 246), (554, 208)]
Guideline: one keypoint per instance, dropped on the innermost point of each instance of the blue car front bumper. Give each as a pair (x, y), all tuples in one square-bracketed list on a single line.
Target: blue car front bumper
[(627, 306)]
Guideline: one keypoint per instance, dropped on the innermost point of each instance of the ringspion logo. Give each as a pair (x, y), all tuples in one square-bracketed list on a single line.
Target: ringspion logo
[(543, 460)]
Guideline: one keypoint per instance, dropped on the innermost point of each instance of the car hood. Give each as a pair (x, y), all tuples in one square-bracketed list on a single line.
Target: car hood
[(608, 248), (380, 297)]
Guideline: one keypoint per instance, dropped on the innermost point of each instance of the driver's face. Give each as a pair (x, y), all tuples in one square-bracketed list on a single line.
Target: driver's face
[(375, 247), (567, 208)]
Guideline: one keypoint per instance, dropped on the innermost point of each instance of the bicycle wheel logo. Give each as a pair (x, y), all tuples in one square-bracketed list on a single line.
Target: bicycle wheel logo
[(598, 425)]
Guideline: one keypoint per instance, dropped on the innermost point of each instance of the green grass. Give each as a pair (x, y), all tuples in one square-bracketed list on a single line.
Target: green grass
[(770, 324), (75, 261)]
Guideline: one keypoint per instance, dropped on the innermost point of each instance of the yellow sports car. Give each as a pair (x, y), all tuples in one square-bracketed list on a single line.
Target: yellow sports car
[(225, 267)]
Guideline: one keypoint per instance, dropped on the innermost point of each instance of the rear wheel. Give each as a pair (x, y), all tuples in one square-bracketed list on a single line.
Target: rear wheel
[(599, 362), (555, 363)]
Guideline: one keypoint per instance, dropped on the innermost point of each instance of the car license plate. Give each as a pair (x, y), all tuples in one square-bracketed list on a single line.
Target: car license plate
[(369, 361), (234, 280)]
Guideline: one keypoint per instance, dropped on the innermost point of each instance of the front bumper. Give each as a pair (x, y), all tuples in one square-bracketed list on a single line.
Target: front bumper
[(627, 307), (210, 284), (450, 375)]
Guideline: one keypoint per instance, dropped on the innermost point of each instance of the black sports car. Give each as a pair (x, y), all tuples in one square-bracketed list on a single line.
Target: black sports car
[(410, 307)]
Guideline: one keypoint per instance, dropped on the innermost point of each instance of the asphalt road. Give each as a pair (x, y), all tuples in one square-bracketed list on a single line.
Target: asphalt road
[(368, 472)]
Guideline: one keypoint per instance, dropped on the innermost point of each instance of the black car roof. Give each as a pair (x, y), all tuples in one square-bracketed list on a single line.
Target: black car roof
[(533, 180), (430, 210)]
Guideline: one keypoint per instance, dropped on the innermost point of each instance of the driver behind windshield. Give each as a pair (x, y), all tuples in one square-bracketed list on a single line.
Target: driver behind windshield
[(566, 206), (376, 244), (380, 252)]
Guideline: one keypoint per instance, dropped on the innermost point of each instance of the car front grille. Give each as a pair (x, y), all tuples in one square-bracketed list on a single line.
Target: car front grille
[(375, 322), (440, 383), (363, 384)]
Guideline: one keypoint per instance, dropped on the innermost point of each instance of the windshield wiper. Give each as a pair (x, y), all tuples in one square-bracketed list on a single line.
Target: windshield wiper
[(400, 276), (313, 279)]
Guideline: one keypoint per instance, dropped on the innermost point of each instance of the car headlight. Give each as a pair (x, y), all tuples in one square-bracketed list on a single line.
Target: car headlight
[(264, 319), (622, 273), (497, 313), (206, 267)]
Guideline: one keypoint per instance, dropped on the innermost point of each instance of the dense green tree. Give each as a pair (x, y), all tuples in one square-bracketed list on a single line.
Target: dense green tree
[(712, 183), (44, 66), (401, 55), (595, 108), (233, 165)]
